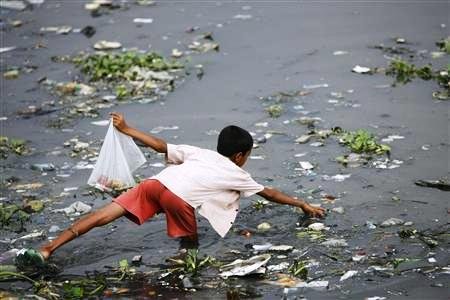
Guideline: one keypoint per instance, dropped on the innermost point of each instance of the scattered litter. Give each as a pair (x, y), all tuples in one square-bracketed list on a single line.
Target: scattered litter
[(12, 74), (337, 178), (6, 49), (204, 47), (14, 5), (335, 243), (57, 29), (276, 268), (348, 275), (75, 209), (160, 129), (361, 70), (371, 225), (319, 285), (242, 17), (143, 20), (437, 54), (317, 144), (262, 247), (101, 123), (157, 165), (136, 259), (317, 226), (241, 267), (375, 298), (264, 226), (392, 222), (306, 165), (257, 157), (303, 139), (339, 210), (88, 31), (315, 86), (43, 167), (25, 237), (359, 258), (432, 260), (391, 138), (54, 228), (441, 184), (275, 110), (340, 52), (177, 53), (106, 45)]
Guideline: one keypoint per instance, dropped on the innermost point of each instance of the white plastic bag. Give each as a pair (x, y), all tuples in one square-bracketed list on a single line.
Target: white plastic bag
[(119, 157)]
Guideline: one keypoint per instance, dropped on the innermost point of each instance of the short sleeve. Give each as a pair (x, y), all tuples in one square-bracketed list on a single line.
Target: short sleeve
[(247, 186), (177, 154)]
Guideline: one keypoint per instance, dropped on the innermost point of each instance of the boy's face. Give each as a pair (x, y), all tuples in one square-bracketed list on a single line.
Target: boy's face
[(241, 158)]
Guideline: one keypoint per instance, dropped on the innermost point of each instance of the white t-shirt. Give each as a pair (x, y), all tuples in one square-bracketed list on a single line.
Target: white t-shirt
[(209, 182)]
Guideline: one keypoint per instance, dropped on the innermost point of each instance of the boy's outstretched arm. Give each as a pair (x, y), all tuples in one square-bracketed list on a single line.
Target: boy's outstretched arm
[(157, 144), (275, 195)]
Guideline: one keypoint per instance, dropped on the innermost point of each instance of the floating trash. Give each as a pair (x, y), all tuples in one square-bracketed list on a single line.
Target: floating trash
[(241, 267)]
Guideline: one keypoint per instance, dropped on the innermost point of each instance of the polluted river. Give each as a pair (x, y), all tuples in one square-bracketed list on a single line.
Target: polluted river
[(347, 102)]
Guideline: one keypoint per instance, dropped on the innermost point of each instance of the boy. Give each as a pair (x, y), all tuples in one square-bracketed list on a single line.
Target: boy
[(201, 179)]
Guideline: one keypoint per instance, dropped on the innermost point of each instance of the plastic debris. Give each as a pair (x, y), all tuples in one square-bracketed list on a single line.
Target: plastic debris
[(43, 167), (392, 222), (339, 210), (160, 129), (177, 53), (361, 70), (25, 237), (57, 29), (136, 259), (440, 184), (337, 178), (54, 228), (12, 74), (315, 86), (335, 243), (243, 17), (241, 267), (317, 226), (348, 275), (6, 49), (319, 285), (88, 31), (14, 5), (391, 138), (101, 123), (340, 52), (276, 268), (264, 226), (75, 209), (106, 45), (306, 165), (143, 20)]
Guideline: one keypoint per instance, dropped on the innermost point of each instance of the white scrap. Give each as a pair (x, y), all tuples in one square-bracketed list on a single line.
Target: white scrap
[(306, 165), (361, 70), (101, 123), (241, 267), (317, 226), (392, 222), (106, 45), (315, 86), (340, 52), (335, 243), (77, 208), (262, 247), (391, 138), (319, 285), (279, 267), (159, 129), (25, 237), (143, 20), (375, 298), (359, 258), (348, 275), (6, 49), (15, 5), (242, 17), (337, 178), (432, 260)]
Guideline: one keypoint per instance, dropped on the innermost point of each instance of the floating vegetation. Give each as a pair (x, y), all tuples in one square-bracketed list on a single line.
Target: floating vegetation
[(191, 263), (116, 66), (299, 269), (444, 45), (362, 141), (13, 217), (260, 204), (275, 110), (9, 145), (404, 72)]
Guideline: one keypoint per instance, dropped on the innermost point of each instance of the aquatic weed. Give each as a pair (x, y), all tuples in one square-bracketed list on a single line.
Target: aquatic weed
[(362, 141), (191, 263), (299, 269)]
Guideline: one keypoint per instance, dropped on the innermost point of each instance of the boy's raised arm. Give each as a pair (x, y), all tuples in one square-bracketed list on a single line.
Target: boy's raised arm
[(157, 144), (275, 195)]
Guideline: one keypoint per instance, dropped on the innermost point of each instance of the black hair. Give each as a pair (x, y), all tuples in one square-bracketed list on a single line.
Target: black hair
[(234, 139)]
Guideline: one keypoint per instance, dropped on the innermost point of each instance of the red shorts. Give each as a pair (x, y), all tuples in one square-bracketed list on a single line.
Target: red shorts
[(151, 197)]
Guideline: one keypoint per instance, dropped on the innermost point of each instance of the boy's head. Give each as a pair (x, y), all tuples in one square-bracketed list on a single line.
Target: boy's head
[(235, 143)]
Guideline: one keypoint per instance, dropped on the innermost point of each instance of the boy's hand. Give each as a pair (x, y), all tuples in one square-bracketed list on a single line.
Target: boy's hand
[(313, 211), (119, 121)]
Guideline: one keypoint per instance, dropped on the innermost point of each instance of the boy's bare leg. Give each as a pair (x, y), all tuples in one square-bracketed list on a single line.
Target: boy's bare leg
[(100, 217)]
